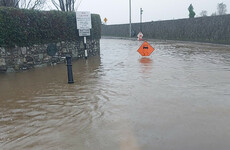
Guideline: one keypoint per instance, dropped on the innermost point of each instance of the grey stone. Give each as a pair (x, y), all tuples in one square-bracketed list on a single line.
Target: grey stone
[(40, 66), (3, 50), (41, 56), (75, 53), (29, 59), (3, 68), (64, 50), (2, 62), (33, 49), (10, 70), (23, 50), (16, 67), (20, 61)]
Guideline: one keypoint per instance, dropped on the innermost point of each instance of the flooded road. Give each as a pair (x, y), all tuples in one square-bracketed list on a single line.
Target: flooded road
[(176, 99)]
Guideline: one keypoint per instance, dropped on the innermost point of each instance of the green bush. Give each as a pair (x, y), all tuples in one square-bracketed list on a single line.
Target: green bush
[(28, 27)]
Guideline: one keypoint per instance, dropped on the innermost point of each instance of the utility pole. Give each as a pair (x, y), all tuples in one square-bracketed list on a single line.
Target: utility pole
[(130, 21), (141, 12)]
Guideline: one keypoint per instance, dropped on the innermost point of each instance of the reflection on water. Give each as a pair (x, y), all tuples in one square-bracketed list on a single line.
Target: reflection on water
[(178, 98), (147, 64), (145, 60)]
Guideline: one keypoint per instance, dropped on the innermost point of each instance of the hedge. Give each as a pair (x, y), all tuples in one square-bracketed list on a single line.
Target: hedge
[(23, 27)]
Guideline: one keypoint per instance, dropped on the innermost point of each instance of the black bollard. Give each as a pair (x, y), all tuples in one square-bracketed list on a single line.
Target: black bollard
[(69, 69)]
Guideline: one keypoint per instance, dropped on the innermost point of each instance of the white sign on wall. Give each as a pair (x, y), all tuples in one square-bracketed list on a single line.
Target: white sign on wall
[(83, 20), (84, 32)]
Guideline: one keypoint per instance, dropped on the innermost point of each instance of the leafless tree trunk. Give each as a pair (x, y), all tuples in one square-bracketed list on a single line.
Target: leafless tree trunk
[(222, 8), (31, 4), (9, 3), (64, 5), (203, 13), (28, 4)]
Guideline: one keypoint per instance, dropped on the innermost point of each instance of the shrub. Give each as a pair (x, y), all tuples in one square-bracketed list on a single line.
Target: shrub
[(23, 27)]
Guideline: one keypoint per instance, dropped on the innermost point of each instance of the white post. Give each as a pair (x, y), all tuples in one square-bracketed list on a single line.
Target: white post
[(130, 20), (86, 53)]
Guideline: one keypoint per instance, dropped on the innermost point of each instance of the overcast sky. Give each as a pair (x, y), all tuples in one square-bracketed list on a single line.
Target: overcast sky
[(117, 11)]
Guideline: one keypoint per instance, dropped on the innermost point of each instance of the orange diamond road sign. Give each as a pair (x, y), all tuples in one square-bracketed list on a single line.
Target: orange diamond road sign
[(105, 20), (146, 49)]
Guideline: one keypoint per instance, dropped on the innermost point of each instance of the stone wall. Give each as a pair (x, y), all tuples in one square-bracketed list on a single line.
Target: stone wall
[(214, 29), (23, 58)]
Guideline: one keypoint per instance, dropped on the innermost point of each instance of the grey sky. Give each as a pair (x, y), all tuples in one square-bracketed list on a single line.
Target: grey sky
[(117, 11)]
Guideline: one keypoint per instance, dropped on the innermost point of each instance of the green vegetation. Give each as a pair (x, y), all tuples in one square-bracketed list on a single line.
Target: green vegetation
[(23, 27), (191, 11)]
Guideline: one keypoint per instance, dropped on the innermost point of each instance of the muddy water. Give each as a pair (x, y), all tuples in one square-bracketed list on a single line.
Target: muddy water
[(176, 99)]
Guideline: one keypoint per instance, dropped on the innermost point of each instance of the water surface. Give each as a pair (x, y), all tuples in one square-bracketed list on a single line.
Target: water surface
[(176, 99)]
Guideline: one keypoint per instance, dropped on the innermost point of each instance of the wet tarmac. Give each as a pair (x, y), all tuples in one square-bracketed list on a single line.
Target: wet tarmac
[(176, 99)]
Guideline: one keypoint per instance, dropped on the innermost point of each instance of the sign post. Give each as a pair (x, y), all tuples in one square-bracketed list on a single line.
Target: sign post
[(86, 53), (141, 12), (84, 25)]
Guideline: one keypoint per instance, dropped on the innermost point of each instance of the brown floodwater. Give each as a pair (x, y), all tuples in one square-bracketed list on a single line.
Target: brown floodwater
[(176, 99)]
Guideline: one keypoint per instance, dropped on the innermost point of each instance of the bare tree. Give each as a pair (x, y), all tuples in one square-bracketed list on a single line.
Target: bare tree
[(203, 13), (31, 4), (9, 3), (221, 8), (28, 4), (66, 5), (213, 14)]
